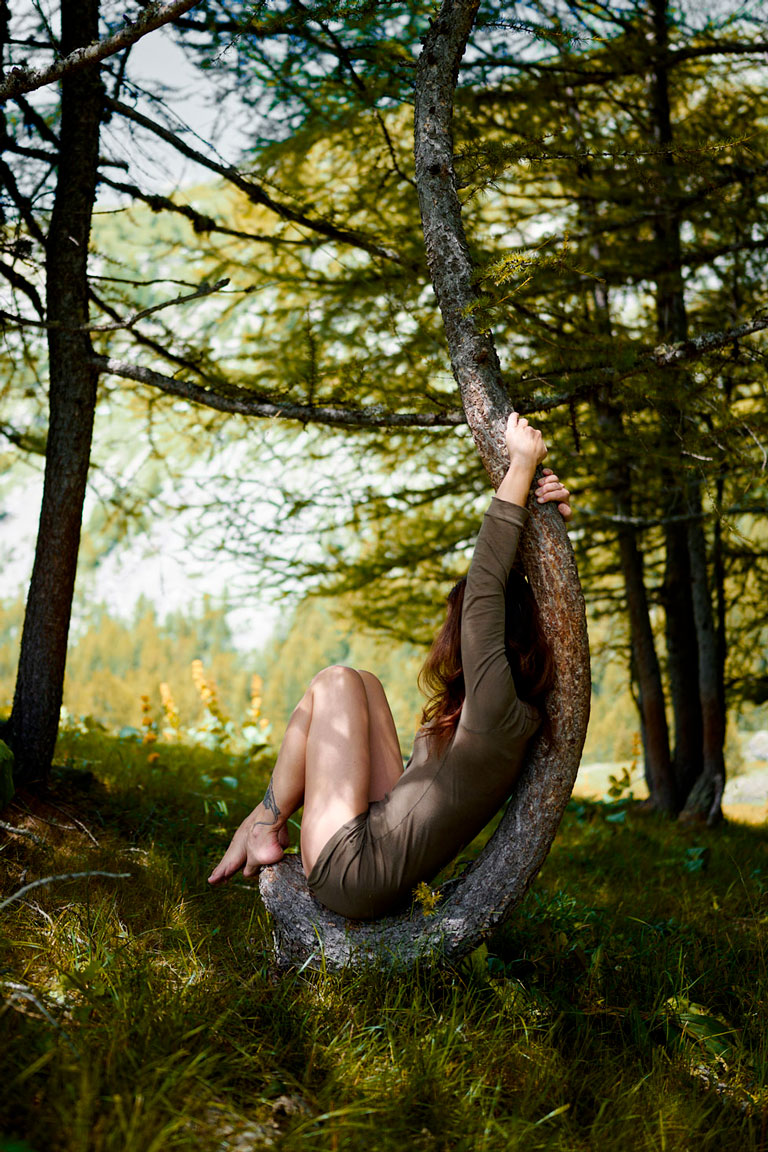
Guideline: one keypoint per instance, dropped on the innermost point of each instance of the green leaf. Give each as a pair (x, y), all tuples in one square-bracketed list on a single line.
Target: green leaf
[(714, 1035)]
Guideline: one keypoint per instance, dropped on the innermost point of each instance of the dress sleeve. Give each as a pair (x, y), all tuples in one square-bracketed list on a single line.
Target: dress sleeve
[(491, 700)]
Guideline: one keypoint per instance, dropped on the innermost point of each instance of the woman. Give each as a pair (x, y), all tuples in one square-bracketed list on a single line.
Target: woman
[(371, 831)]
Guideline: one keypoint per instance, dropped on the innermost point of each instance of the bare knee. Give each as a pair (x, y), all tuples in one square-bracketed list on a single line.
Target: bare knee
[(336, 678), (371, 683)]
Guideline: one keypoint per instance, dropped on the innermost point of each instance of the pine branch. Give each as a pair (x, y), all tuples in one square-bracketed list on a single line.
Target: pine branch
[(26, 441), (143, 339), (22, 202), (127, 322), (199, 221), (255, 193), (581, 75), (20, 80), (242, 402), (23, 285), (665, 355)]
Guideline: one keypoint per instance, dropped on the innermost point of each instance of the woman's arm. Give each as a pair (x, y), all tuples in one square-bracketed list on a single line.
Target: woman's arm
[(491, 699)]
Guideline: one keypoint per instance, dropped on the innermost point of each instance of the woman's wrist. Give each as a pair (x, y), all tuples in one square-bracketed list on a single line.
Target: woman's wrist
[(516, 485)]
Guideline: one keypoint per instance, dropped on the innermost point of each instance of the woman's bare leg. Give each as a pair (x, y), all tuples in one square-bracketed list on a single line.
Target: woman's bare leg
[(338, 762), (324, 762), (384, 746)]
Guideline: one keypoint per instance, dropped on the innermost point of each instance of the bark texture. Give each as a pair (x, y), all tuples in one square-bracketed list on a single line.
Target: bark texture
[(682, 657), (699, 770), (72, 399), (705, 798), (305, 932)]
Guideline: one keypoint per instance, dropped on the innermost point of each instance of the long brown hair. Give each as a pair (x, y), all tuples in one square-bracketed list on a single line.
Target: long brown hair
[(528, 651)]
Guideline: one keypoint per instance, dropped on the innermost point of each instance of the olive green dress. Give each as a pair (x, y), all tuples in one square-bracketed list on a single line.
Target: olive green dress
[(442, 800)]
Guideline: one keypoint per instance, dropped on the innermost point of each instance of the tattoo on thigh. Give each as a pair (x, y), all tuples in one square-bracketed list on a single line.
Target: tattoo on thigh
[(270, 803)]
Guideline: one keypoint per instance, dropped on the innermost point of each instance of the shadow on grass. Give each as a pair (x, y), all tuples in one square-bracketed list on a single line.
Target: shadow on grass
[(623, 1006)]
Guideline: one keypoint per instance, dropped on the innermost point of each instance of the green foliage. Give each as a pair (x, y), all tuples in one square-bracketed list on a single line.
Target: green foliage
[(564, 187), (114, 661), (6, 775), (621, 1008)]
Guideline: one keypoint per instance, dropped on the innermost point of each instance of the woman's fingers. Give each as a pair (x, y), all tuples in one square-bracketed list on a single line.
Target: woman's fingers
[(550, 490), (523, 441)]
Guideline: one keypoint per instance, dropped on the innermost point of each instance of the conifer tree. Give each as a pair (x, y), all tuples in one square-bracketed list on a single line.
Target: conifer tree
[(613, 186)]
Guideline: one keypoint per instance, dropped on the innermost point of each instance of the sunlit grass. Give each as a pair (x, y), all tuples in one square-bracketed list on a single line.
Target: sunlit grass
[(623, 1007)]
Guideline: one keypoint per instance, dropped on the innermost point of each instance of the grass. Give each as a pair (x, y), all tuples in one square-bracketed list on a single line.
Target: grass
[(623, 1007)]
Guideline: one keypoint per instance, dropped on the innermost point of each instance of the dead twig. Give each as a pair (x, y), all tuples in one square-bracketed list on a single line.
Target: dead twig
[(21, 832), (64, 876)]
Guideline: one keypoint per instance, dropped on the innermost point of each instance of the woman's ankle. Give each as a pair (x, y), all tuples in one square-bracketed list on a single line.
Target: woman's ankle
[(267, 845)]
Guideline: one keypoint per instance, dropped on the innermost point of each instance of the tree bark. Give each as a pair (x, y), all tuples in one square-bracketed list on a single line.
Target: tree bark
[(682, 658), (705, 797), (306, 933), (692, 598), (72, 399)]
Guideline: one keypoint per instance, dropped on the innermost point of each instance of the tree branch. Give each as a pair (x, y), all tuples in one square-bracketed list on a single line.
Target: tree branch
[(26, 441), (665, 355), (255, 193), (14, 831), (199, 221), (64, 876), (20, 80), (23, 285), (242, 402), (474, 360), (120, 324)]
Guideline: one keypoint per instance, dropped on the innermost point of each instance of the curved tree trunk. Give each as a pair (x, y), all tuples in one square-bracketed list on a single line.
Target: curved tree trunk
[(305, 932), (34, 719)]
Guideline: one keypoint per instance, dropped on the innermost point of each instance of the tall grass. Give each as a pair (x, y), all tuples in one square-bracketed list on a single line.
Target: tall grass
[(623, 1007)]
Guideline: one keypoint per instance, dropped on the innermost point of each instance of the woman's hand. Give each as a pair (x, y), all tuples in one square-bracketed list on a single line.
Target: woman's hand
[(525, 444), (549, 489)]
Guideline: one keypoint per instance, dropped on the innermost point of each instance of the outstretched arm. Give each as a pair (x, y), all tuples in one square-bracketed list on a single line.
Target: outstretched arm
[(491, 698)]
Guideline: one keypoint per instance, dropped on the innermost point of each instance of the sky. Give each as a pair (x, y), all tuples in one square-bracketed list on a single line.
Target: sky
[(156, 566)]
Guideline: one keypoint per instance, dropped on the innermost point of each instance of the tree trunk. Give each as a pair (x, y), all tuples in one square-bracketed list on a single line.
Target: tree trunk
[(645, 663), (305, 932), (682, 658), (653, 716), (72, 399), (655, 731), (705, 798), (672, 325)]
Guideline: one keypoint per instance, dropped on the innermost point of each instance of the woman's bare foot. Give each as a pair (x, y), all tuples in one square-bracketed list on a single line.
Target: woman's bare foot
[(258, 842)]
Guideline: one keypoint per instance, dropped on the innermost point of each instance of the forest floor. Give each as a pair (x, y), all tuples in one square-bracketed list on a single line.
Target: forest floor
[(622, 1007)]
